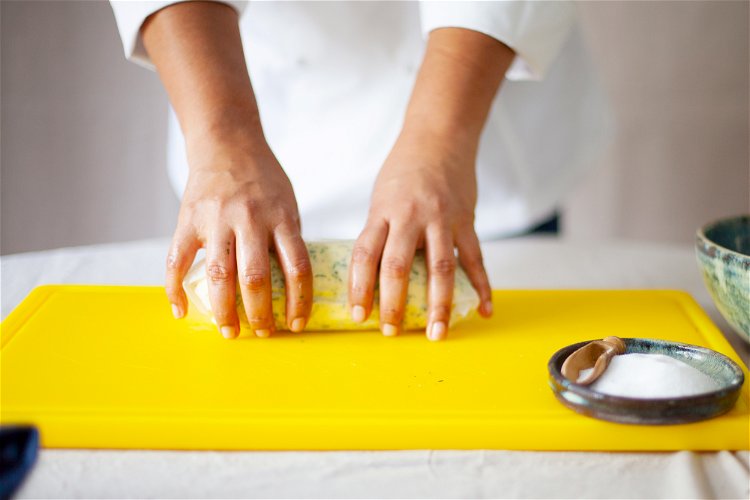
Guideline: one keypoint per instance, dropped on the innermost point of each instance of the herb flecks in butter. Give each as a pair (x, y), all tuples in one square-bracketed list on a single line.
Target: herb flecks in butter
[(330, 310)]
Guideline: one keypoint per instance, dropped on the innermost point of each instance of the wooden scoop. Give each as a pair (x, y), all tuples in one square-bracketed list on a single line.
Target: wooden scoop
[(596, 354)]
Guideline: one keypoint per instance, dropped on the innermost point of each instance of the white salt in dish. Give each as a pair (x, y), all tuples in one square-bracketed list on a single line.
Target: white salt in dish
[(650, 376), (655, 410)]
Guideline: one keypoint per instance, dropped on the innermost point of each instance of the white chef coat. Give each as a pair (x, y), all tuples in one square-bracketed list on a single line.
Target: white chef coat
[(332, 81)]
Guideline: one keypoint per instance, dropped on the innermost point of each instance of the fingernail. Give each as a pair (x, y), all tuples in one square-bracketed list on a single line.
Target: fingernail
[(437, 331), (487, 308), (176, 311), (298, 324), (227, 332), (263, 333), (390, 330), (358, 314)]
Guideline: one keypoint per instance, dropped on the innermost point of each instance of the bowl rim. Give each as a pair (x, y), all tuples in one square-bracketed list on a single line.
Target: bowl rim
[(588, 393), (701, 234)]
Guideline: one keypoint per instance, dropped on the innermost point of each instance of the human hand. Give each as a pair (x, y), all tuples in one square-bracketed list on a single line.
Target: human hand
[(424, 197), (426, 191), (238, 203)]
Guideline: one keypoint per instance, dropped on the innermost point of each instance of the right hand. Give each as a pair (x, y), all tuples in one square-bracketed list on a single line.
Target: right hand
[(238, 201), (237, 204)]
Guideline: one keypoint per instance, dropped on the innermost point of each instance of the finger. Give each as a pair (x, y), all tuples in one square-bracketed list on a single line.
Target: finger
[(470, 257), (254, 273), (363, 270), (295, 264), (181, 254), (395, 268), (221, 271), (441, 268)]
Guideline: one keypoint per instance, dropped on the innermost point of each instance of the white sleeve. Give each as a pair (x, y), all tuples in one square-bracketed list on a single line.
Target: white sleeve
[(535, 30), (130, 16)]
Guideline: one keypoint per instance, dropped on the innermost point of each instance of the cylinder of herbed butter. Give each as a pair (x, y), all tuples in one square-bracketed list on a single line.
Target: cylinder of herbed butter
[(330, 311)]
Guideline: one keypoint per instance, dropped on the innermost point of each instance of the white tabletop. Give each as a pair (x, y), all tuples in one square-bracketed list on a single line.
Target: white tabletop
[(520, 263)]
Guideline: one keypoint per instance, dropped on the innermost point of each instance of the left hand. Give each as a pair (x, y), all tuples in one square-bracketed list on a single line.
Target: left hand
[(426, 191), (424, 197)]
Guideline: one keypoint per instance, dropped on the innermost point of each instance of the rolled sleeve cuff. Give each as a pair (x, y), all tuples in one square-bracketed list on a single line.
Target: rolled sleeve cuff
[(534, 30), (130, 16)]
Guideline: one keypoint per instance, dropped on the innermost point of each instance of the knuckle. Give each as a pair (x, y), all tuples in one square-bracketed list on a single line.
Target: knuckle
[(441, 311), (410, 210), (394, 267), (251, 213), (296, 310), (300, 270), (255, 280), (391, 311), (218, 274), (466, 219), (481, 278), (436, 204), (222, 312), (173, 290), (250, 207), (223, 318), (473, 260), (245, 220), (363, 255), (258, 320), (188, 210), (285, 217), (173, 261), (443, 267), (407, 214), (292, 216)]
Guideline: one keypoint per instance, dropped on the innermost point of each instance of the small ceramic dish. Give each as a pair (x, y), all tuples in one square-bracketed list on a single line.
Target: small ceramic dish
[(661, 411), (723, 252)]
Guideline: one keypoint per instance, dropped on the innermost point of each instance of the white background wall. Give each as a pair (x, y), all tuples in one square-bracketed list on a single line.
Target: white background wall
[(677, 73), (83, 131)]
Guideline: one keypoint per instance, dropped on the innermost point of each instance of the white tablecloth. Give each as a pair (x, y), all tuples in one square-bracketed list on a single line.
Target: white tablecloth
[(523, 263)]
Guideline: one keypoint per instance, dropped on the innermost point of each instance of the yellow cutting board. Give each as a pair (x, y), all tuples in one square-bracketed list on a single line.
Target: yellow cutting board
[(108, 367)]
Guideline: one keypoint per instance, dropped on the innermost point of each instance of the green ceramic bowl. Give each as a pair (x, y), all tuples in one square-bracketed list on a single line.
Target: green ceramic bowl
[(663, 411), (723, 250)]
